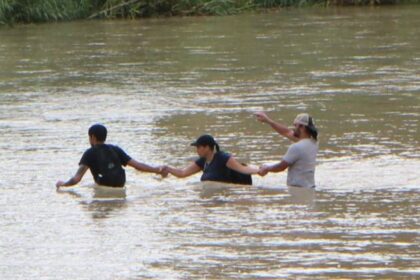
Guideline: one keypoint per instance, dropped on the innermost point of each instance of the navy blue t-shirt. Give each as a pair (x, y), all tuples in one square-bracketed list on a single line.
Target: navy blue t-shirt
[(105, 163), (216, 170)]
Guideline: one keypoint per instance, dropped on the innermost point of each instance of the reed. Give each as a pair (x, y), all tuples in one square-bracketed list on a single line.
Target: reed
[(12, 11), (26, 11)]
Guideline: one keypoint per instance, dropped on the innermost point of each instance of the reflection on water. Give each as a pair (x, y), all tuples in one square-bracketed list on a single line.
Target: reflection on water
[(158, 84), (100, 201), (214, 189), (304, 196), (100, 209), (106, 192)]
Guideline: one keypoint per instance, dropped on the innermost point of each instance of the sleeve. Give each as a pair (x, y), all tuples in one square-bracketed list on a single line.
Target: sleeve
[(292, 154), (201, 162), (86, 158), (124, 158), (224, 158)]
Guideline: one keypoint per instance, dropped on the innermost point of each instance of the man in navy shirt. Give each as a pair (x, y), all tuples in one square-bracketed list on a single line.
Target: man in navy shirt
[(106, 162)]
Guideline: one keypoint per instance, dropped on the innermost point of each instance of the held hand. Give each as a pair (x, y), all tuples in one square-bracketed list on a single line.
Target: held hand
[(262, 117), (263, 170), (163, 171), (59, 184)]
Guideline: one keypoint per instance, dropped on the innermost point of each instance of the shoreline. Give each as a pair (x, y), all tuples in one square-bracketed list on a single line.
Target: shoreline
[(15, 15)]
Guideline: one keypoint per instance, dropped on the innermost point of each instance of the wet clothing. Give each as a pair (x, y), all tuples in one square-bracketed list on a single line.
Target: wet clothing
[(301, 157), (217, 170), (105, 163)]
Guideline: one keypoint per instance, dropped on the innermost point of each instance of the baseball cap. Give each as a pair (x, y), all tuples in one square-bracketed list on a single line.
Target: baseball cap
[(304, 119), (204, 140)]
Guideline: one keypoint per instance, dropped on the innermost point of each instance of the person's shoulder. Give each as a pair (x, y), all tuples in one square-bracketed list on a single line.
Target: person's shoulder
[(305, 144), (120, 151), (89, 150), (201, 161), (222, 157), (309, 143), (297, 146), (115, 147), (87, 156), (223, 154)]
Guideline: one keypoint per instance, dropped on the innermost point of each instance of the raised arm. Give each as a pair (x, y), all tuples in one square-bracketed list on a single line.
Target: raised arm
[(237, 166), (182, 173), (280, 128), (75, 179), (144, 167)]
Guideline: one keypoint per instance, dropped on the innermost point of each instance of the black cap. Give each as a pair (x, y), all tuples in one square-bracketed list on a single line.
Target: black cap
[(204, 140)]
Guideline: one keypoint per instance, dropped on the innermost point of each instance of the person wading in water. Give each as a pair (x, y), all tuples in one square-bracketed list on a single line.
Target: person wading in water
[(216, 165), (300, 159), (106, 162)]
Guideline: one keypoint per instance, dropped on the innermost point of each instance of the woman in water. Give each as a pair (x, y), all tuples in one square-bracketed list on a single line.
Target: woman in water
[(216, 165)]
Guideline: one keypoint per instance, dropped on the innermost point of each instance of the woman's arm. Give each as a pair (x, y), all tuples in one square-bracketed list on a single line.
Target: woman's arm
[(182, 173), (237, 166)]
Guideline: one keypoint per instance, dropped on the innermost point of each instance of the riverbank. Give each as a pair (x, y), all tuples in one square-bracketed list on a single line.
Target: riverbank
[(22, 11)]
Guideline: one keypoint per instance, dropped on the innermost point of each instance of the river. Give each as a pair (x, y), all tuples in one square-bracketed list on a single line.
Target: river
[(157, 84)]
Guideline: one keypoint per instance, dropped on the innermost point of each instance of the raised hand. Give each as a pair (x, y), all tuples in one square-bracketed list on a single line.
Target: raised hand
[(262, 117), (59, 184)]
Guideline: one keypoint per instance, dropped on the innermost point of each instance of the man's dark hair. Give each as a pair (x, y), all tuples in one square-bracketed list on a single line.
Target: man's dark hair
[(311, 129), (99, 131)]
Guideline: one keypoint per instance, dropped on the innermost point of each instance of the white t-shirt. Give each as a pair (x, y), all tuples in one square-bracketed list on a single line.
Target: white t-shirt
[(301, 157)]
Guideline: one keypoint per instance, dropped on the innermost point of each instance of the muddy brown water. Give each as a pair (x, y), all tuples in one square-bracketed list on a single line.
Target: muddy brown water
[(158, 84)]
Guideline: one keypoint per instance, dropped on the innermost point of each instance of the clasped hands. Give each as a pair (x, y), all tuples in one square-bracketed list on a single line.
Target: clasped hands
[(264, 169), (163, 171)]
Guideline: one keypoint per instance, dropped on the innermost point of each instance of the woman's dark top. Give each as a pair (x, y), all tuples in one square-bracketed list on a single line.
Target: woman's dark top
[(217, 170)]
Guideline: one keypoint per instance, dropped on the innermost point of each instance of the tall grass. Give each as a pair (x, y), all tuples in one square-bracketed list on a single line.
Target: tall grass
[(43, 10), (12, 11), (147, 8)]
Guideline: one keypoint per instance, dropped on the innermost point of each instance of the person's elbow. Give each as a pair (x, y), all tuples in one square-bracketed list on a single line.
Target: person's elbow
[(283, 166), (290, 135)]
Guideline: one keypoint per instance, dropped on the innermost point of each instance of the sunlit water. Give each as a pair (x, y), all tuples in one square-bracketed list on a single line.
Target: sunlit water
[(158, 84)]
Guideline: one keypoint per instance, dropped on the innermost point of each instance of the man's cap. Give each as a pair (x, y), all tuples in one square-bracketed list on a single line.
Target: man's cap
[(204, 140), (304, 119)]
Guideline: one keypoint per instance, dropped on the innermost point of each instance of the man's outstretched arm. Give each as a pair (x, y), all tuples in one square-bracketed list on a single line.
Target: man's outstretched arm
[(145, 167), (75, 179), (280, 128), (278, 167)]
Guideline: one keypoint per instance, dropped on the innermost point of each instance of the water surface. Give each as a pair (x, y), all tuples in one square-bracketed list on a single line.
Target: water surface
[(157, 85)]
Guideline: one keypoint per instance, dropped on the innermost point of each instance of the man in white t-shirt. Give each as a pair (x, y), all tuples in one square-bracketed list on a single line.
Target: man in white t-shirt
[(300, 159)]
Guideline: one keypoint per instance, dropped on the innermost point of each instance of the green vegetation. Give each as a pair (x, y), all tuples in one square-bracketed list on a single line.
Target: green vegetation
[(43, 10), (12, 11)]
